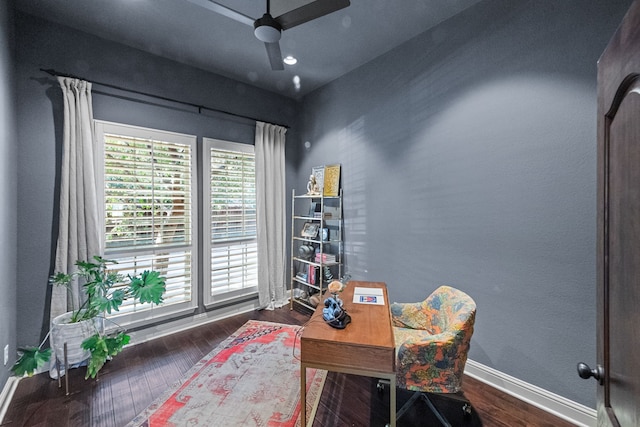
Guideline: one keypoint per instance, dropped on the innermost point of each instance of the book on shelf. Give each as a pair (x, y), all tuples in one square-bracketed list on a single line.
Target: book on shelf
[(325, 257), (313, 275)]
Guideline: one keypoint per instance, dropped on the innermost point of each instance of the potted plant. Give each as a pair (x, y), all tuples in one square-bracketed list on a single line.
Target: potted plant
[(85, 324)]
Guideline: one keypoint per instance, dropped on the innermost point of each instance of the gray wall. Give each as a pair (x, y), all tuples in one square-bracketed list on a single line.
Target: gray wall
[(8, 192), (41, 44), (469, 159)]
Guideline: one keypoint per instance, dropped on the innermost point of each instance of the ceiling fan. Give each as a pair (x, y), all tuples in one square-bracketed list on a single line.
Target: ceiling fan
[(268, 29)]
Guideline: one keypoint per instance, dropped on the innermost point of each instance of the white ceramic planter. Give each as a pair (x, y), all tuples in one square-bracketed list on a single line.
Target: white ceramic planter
[(73, 334)]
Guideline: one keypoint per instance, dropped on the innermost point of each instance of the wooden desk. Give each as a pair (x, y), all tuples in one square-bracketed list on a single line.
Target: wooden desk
[(365, 347)]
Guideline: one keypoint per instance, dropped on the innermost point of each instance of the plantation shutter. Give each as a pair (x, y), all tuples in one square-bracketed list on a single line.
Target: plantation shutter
[(147, 192), (148, 215), (233, 233)]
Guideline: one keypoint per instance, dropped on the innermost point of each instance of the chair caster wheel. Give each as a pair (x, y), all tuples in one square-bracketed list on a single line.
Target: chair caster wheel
[(466, 408)]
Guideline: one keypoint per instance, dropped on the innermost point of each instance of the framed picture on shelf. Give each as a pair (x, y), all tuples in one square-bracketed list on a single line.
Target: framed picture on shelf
[(318, 173), (310, 230), (331, 187)]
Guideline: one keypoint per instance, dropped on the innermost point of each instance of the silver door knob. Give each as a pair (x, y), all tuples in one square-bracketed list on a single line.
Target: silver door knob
[(586, 372)]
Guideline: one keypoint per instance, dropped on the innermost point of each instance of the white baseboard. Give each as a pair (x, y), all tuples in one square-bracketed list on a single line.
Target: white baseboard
[(6, 396), (559, 406)]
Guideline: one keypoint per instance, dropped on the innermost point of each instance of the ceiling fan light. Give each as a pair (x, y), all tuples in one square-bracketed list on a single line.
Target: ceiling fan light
[(267, 29), (267, 34)]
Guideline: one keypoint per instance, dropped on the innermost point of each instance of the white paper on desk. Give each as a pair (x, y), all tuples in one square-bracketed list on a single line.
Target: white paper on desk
[(373, 296)]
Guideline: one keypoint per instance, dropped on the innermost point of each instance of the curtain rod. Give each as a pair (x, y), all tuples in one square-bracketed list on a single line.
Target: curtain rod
[(163, 98)]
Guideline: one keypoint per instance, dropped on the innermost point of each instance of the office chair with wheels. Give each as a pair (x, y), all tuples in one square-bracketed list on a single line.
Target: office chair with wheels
[(432, 342)]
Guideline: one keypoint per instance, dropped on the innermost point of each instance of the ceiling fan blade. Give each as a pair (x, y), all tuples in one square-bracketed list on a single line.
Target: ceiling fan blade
[(225, 11), (309, 11), (275, 56)]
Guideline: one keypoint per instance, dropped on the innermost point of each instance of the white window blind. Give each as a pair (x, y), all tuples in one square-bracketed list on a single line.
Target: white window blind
[(174, 266), (232, 220), (148, 193)]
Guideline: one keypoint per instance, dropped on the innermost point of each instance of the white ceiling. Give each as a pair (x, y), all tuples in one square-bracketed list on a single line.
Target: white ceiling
[(326, 48)]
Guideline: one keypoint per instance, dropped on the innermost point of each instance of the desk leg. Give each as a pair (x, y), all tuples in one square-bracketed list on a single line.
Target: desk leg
[(303, 394), (392, 403)]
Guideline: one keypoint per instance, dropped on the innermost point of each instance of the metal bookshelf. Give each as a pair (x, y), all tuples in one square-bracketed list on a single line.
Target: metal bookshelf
[(316, 246)]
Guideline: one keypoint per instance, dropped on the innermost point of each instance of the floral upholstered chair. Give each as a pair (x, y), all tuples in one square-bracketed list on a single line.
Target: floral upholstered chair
[(432, 341)]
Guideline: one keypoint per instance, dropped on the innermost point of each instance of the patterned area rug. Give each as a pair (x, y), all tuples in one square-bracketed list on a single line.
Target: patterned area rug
[(251, 379)]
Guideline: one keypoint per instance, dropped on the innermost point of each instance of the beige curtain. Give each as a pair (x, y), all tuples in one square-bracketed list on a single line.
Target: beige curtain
[(271, 206), (79, 236)]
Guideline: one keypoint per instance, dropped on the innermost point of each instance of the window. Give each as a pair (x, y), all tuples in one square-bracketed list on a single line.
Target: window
[(230, 208), (148, 194)]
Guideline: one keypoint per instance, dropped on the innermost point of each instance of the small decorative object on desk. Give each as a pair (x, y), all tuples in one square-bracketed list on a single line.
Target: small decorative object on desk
[(336, 287), (333, 312)]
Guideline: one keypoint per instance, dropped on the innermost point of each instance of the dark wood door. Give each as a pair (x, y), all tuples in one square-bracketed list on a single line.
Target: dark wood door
[(618, 262)]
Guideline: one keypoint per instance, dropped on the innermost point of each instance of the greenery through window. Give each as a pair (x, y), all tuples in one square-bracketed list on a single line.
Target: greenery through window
[(147, 192)]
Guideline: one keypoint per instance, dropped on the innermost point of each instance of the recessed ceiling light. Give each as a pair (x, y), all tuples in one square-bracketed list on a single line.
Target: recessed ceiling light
[(290, 60)]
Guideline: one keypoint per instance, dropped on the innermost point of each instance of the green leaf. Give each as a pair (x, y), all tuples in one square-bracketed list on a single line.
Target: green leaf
[(114, 278), (60, 279), (116, 298), (86, 265), (117, 343), (101, 348), (103, 261), (149, 287), (31, 358), (96, 345), (92, 343), (108, 303)]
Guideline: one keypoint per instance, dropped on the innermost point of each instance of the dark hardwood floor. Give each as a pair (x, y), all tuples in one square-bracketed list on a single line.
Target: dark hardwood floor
[(133, 379)]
